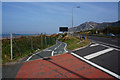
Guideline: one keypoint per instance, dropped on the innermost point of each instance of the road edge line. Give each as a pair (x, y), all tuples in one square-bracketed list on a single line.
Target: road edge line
[(38, 52), (65, 47), (97, 66)]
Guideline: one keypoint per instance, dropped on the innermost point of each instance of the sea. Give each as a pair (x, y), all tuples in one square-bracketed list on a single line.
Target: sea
[(16, 35)]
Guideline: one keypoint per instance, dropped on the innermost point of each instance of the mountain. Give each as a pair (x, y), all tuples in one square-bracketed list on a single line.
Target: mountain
[(93, 25)]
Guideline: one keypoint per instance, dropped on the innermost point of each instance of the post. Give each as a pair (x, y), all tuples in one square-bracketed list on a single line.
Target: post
[(11, 48), (45, 41), (41, 42), (31, 43)]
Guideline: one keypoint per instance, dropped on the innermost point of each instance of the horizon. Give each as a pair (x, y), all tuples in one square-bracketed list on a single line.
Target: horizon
[(47, 17), (58, 32)]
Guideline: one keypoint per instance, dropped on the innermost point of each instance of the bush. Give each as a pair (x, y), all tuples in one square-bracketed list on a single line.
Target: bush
[(26, 45)]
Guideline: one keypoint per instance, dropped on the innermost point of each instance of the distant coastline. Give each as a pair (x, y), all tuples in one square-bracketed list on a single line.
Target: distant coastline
[(4, 36)]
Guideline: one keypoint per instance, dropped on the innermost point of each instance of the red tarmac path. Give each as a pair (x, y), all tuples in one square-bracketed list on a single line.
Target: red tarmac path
[(61, 66)]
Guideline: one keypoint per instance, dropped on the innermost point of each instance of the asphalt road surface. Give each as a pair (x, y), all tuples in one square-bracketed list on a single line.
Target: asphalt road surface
[(105, 52), (102, 53), (57, 49)]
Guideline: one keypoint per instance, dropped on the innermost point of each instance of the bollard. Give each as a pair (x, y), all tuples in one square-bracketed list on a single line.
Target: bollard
[(85, 37)]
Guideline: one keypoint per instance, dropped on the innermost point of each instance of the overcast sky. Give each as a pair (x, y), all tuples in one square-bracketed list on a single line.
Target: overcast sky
[(37, 17)]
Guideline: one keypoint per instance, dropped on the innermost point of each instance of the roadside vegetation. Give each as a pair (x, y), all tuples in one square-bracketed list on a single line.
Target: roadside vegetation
[(74, 42), (26, 45), (107, 32)]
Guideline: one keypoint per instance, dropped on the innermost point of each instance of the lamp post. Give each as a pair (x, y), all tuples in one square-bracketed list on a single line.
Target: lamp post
[(72, 14)]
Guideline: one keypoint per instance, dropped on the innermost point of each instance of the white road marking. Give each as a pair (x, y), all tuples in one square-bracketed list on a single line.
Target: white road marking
[(97, 66), (52, 53), (65, 47), (29, 58), (40, 51), (94, 45), (93, 55), (47, 50), (32, 56), (58, 47), (106, 44)]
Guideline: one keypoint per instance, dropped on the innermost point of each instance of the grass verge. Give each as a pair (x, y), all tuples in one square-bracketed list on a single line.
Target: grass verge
[(74, 42)]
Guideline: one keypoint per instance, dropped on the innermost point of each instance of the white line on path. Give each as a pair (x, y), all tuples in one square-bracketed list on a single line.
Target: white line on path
[(32, 56), (93, 55), (97, 66), (39, 52), (65, 47), (43, 50), (52, 53), (55, 49), (94, 45)]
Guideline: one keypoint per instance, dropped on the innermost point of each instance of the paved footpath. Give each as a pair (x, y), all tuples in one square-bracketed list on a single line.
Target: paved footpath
[(61, 66)]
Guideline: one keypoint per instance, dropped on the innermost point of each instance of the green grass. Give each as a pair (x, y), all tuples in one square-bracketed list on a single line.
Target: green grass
[(22, 46), (73, 42)]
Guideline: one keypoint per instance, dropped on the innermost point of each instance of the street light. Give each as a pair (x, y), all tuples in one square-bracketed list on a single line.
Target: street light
[(72, 13)]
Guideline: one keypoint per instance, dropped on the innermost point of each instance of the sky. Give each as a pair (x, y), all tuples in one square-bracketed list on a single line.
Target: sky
[(47, 17)]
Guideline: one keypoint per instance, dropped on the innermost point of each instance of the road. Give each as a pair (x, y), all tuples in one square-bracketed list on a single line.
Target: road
[(105, 52), (102, 53), (57, 49)]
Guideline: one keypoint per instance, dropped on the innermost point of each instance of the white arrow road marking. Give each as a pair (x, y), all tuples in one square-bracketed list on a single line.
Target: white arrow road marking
[(94, 45), (97, 66), (55, 49), (98, 53)]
